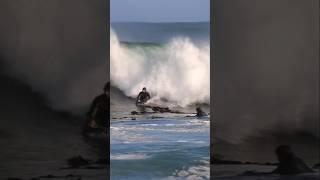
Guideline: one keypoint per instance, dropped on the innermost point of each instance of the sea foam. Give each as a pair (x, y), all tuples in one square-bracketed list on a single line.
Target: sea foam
[(178, 71)]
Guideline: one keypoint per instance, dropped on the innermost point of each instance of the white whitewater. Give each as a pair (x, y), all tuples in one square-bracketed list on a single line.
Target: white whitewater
[(178, 71)]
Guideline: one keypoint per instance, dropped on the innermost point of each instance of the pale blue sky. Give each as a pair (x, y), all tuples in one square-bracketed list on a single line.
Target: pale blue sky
[(159, 10)]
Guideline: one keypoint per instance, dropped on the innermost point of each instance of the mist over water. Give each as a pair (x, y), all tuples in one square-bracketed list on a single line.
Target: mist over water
[(266, 69), (59, 54), (52, 58), (178, 71)]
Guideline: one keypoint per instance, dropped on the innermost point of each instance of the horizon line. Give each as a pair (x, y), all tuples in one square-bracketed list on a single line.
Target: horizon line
[(160, 22)]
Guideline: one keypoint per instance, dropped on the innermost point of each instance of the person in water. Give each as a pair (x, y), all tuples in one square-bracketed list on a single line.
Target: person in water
[(143, 97), (289, 163), (200, 113), (99, 113)]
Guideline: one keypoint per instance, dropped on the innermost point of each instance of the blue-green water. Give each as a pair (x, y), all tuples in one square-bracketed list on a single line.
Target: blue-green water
[(161, 32), (172, 61), (161, 148)]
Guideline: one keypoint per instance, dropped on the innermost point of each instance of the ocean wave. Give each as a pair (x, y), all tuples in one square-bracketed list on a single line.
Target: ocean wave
[(178, 71), (200, 171)]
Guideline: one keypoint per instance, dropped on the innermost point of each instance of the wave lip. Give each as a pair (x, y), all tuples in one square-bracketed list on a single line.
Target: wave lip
[(178, 71)]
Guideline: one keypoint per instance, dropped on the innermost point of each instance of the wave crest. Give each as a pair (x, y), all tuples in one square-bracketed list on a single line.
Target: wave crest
[(179, 71)]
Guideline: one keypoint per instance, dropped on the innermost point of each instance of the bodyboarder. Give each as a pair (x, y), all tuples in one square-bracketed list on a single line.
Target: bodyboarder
[(98, 116), (142, 98)]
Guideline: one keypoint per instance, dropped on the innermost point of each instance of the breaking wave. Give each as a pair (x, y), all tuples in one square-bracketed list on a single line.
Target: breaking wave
[(178, 71)]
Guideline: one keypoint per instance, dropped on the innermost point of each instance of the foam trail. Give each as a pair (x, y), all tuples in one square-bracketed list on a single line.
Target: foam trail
[(179, 71), (129, 157)]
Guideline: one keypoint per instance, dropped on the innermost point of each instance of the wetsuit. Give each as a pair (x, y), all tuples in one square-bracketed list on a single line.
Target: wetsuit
[(100, 111), (200, 113), (143, 97)]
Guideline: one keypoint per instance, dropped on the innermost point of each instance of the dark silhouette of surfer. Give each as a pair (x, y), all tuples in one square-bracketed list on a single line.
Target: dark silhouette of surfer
[(98, 116), (289, 163), (200, 112), (143, 96)]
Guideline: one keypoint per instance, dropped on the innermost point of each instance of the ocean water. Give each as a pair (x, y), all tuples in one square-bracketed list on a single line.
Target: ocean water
[(171, 60), (160, 148), (161, 32)]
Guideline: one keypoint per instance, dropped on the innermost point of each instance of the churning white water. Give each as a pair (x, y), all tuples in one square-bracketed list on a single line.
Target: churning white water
[(178, 71)]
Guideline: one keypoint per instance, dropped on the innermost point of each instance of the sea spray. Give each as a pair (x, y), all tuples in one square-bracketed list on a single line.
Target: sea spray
[(178, 71)]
